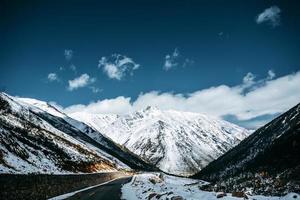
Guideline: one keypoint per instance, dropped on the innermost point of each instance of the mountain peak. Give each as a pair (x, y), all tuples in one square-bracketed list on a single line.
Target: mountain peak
[(151, 108), (177, 142)]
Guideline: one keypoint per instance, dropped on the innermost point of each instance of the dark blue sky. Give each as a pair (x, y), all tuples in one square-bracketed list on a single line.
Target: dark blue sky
[(221, 38)]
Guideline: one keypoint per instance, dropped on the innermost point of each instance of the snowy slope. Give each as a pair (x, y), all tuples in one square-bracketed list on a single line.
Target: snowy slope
[(161, 186), (179, 143), (36, 137), (30, 144), (270, 157), (83, 132), (96, 121)]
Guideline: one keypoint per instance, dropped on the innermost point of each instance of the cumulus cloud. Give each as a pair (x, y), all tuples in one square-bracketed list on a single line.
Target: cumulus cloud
[(270, 15), (52, 77), (175, 59), (248, 80), (80, 82), (269, 97), (117, 66), (119, 105), (68, 53)]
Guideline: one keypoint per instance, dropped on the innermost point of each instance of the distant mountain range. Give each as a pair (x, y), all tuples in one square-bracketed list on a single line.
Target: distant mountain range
[(179, 143), (267, 161)]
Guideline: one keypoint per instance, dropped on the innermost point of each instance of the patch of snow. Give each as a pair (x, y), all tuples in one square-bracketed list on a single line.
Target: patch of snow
[(40, 105), (143, 186)]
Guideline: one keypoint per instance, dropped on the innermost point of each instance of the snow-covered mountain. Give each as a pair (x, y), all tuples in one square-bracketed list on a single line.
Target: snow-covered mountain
[(179, 143), (268, 161), (36, 137), (90, 134)]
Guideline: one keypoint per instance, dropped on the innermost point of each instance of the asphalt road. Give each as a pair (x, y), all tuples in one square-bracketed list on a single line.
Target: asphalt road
[(111, 191)]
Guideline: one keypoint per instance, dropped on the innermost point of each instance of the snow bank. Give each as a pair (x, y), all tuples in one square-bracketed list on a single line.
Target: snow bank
[(161, 186)]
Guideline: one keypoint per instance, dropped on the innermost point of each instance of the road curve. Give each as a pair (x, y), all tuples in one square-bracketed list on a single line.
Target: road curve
[(111, 191)]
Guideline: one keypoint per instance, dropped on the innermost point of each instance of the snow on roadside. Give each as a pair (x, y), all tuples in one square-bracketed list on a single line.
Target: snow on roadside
[(162, 186)]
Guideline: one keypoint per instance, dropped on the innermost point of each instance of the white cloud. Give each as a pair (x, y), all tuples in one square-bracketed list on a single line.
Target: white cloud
[(271, 74), (269, 97), (117, 66), (270, 15), (248, 80), (175, 59), (95, 89), (68, 53), (119, 105), (171, 61), (52, 77), (80, 81), (113, 71)]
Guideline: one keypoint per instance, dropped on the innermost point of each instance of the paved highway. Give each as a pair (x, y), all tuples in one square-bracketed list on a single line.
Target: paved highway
[(111, 191)]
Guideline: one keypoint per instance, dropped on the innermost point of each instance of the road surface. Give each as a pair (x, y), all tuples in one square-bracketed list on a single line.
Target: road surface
[(111, 191)]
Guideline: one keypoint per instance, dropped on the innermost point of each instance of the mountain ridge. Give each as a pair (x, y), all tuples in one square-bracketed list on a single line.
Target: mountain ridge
[(160, 136), (18, 109), (269, 156)]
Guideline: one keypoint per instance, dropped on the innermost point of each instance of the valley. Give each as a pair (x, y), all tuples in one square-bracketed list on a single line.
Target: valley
[(149, 100), (164, 154)]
